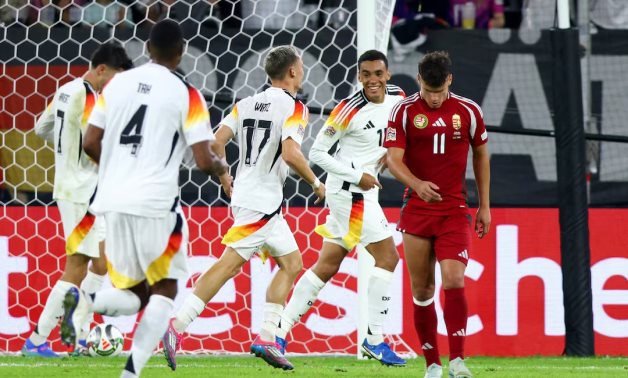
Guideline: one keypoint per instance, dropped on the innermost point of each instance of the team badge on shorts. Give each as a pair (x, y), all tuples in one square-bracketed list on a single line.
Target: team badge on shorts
[(420, 121), (391, 134)]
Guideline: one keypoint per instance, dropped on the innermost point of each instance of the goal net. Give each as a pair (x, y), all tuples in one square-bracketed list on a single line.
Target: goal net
[(44, 46)]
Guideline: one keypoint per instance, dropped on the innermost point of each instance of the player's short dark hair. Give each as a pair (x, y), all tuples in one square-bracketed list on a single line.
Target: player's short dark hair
[(434, 68), (166, 40), (279, 60), (113, 55), (372, 55)]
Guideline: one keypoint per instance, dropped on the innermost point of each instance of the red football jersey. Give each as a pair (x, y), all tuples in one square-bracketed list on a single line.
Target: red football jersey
[(436, 143)]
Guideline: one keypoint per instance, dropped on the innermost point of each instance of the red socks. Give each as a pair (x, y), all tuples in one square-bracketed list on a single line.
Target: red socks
[(455, 313), (426, 323)]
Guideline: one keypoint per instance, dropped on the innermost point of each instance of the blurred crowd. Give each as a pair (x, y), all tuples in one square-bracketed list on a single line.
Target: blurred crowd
[(467, 14)]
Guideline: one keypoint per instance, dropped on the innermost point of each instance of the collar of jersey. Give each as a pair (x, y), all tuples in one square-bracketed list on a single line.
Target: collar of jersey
[(284, 91)]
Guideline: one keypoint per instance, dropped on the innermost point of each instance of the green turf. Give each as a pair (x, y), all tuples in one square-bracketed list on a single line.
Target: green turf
[(318, 367)]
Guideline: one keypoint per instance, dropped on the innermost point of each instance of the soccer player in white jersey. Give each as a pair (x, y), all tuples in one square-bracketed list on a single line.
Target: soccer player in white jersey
[(269, 128), (357, 124), (139, 129), (64, 122)]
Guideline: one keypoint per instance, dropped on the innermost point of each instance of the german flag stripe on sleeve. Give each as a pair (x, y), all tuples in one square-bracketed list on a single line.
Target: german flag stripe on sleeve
[(90, 102), (299, 116), (342, 114), (234, 111), (197, 113), (100, 103)]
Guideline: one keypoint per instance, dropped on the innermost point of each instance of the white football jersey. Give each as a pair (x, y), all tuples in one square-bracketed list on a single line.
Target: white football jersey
[(260, 123), (358, 126), (64, 122), (149, 115)]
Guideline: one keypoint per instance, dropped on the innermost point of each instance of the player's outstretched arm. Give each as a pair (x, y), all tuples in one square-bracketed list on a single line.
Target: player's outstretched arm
[(92, 142), (426, 190), (482, 172), (223, 136), (292, 155), (207, 161)]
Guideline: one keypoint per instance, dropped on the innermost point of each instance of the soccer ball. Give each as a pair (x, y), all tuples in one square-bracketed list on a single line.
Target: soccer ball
[(104, 340)]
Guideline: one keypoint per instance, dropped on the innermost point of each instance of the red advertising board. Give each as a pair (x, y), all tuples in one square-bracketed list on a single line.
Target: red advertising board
[(514, 285)]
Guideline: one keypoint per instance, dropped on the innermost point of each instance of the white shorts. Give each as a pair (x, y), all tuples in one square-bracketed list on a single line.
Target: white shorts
[(83, 231), (143, 248), (354, 218), (253, 232)]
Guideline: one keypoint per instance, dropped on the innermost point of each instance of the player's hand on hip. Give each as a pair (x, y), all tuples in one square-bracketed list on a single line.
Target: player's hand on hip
[(320, 193), (226, 180), (482, 221), (368, 182), (428, 191)]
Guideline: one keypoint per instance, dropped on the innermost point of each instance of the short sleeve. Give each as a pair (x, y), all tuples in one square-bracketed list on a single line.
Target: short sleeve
[(231, 120), (98, 116), (477, 130), (196, 127), (295, 124), (396, 131)]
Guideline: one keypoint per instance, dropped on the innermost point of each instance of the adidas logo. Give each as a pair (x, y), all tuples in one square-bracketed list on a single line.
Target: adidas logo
[(369, 125), (439, 123), (460, 332), (426, 346), (464, 254)]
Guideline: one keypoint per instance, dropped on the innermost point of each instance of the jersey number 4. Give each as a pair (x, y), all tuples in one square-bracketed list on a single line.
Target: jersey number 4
[(253, 130), (132, 133)]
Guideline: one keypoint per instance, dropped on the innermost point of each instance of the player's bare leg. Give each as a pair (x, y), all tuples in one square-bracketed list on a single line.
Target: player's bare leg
[(307, 288), (386, 259), (455, 313), (206, 287), (227, 267), (265, 345), (421, 261)]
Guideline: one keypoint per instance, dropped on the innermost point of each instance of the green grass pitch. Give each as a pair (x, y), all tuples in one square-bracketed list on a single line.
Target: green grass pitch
[(318, 367)]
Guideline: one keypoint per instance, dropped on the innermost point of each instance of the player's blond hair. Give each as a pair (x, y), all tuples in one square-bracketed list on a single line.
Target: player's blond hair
[(279, 60)]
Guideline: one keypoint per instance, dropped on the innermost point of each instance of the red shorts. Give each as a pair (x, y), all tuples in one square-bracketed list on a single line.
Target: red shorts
[(450, 234)]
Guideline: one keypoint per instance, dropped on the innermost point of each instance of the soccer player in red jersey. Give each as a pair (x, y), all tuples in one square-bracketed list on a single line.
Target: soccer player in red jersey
[(428, 140)]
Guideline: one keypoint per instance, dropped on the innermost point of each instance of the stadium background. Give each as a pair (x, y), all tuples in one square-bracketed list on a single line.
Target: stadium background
[(508, 72)]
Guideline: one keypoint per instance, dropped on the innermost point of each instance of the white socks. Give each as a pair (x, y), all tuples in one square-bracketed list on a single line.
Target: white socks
[(115, 302), (91, 284), (272, 315), (303, 297), (149, 331), (53, 310), (191, 309), (378, 300)]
